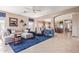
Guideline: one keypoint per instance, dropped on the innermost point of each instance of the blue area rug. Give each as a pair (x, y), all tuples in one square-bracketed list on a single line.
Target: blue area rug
[(26, 43)]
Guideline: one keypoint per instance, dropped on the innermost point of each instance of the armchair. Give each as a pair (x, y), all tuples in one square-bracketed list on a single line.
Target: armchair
[(7, 37)]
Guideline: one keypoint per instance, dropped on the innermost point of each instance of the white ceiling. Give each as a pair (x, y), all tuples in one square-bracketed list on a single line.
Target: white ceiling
[(34, 11)]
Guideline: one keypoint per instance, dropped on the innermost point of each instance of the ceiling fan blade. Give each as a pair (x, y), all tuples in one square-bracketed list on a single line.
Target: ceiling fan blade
[(28, 8), (32, 9), (38, 10)]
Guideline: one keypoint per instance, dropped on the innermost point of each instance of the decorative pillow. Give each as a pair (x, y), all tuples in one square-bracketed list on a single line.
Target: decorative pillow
[(49, 32), (13, 31), (26, 31)]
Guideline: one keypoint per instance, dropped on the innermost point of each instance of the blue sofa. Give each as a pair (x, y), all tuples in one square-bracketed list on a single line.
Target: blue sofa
[(48, 32)]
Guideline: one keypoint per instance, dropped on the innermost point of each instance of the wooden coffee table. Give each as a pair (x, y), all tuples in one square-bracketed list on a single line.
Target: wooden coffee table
[(17, 38)]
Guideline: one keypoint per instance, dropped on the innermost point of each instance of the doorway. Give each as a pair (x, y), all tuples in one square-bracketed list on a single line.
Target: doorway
[(63, 23)]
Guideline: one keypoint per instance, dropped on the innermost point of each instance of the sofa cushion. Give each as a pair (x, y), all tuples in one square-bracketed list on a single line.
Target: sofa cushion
[(48, 32)]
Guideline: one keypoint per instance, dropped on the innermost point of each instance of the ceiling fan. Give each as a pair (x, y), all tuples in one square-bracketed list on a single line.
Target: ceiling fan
[(32, 9)]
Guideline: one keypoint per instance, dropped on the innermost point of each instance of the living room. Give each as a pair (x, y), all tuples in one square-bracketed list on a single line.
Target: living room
[(25, 27)]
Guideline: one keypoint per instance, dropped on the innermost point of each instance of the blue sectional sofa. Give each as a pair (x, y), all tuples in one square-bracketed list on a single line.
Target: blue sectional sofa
[(49, 32)]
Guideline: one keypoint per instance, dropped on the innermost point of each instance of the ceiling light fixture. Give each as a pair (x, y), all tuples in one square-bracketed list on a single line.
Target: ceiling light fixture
[(33, 9)]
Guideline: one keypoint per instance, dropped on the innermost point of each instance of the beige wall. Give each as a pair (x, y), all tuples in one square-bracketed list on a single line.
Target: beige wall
[(19, 17), (75, 24), (39, 24)]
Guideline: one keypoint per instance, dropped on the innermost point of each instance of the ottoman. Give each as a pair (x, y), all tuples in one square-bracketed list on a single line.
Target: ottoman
[(27, 35)]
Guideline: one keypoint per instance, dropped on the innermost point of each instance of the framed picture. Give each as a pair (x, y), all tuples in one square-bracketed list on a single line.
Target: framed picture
[(13, 21)]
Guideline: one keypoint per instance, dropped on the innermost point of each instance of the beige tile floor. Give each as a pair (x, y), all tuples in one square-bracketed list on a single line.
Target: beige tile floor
[(60, 43)]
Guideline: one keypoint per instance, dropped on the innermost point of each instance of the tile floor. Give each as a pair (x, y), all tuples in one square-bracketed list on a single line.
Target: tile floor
[(60, 43)]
